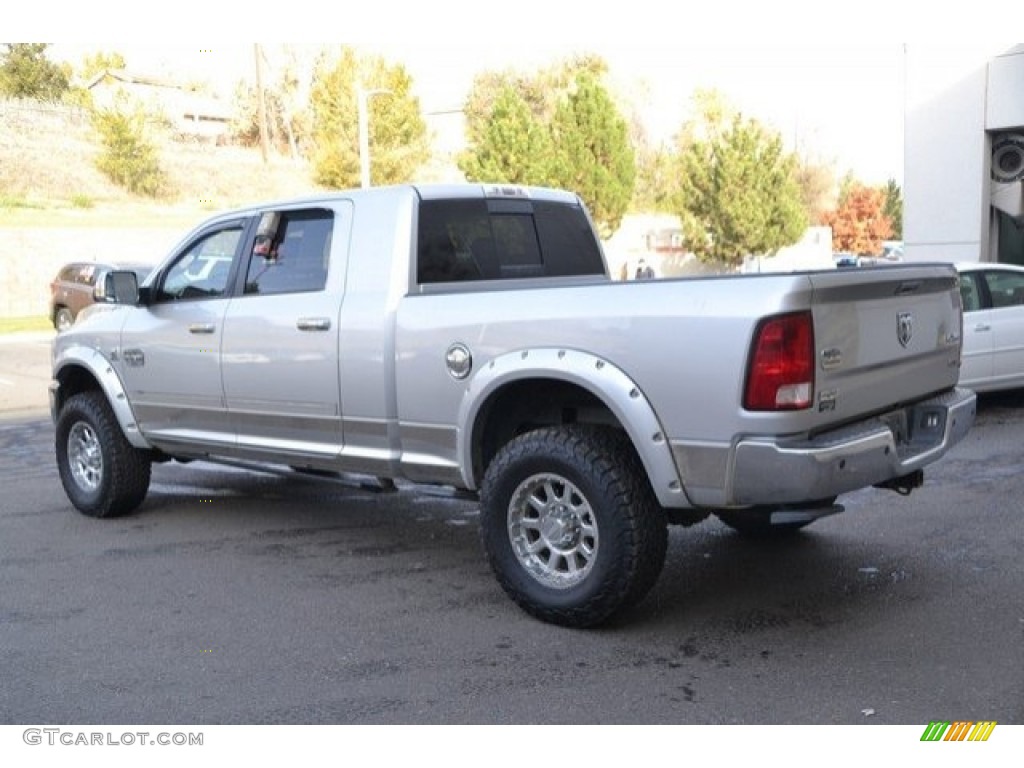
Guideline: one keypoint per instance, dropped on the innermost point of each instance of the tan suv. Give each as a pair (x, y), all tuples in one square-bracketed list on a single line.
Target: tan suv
[(80, 284)]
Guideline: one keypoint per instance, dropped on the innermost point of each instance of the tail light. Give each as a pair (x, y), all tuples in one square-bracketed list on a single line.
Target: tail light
[(781, 373)]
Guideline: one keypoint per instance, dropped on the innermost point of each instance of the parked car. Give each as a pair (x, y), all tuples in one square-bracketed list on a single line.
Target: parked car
[(892, 253), (993, 347), (892, 250), (80, 284)]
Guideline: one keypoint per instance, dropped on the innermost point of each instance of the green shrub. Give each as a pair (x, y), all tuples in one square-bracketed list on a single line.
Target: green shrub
[(17, 201), (82, 201), (128, 159)]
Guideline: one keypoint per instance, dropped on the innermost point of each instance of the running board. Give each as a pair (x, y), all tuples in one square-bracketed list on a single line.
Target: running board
[(345, 479)]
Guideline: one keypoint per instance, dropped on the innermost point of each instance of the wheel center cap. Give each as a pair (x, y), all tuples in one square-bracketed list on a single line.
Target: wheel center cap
[(560, 526)]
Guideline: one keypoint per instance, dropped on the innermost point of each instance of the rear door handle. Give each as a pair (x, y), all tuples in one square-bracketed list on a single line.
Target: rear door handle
[(201, 328), (982, 327), (313, 324)]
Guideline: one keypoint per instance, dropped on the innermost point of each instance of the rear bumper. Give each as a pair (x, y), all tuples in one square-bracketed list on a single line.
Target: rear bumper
[(897, 443)]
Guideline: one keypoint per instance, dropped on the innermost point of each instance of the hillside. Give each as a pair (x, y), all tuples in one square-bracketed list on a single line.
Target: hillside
[(56, 207), (47, 162)]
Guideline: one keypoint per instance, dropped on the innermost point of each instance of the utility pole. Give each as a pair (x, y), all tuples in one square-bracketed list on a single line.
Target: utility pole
[(362, 106), (262, 102)]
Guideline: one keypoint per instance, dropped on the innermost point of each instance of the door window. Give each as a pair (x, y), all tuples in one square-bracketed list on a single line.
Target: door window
[(1005, 288), (970, 295), (294, 258), (202, 271)]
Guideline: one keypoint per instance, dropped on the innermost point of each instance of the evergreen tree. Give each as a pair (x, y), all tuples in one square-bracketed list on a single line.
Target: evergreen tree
[(739, 194), (893, 208), (557, 127), (542, 90), (129, 158), (512, 146), (398, 139), (593, 155)]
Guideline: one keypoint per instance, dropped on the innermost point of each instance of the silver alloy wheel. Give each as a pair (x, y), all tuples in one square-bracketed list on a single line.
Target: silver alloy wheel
[(85, 456), (553, 530)]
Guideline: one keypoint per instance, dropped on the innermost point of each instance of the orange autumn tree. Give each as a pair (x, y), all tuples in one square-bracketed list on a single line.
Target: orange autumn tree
[(859, 224)]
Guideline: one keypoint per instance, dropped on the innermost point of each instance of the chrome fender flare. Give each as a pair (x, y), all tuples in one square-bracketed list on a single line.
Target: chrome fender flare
[(102, 370), (604, 380)]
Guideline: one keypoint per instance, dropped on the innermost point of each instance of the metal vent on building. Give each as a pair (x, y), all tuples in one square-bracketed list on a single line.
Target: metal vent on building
[(1007, 193), (1008, 157)]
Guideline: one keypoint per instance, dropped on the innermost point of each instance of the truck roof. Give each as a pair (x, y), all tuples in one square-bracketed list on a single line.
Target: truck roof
[(433, 191)]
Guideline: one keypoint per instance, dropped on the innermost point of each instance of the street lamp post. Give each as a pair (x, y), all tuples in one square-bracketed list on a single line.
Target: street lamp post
[(362, 102)]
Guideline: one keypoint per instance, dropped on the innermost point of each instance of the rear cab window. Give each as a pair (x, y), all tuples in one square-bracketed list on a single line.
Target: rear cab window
[(502, 239)]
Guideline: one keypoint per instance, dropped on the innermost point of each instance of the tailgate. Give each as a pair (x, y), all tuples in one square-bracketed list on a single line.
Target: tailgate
[(884, 336)]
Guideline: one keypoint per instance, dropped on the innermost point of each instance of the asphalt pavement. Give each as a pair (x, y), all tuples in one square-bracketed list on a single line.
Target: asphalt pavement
[(240, 597), (24, 372)]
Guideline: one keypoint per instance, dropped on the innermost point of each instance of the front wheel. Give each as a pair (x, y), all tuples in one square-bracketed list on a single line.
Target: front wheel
[(570, 525), (102, 473)]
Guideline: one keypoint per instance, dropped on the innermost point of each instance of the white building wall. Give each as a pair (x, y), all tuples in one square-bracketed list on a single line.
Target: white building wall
[(1005, 108), (954, 97), (944, 152)]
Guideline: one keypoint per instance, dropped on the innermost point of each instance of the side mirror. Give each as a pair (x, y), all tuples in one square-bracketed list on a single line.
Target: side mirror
[(120, 287), (268, 225)]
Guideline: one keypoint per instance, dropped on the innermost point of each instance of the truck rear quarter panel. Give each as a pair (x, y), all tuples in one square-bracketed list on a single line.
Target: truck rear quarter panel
[(685, 343)]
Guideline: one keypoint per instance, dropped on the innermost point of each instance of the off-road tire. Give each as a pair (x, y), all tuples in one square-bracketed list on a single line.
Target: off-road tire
[(102, 473), (598, 544)]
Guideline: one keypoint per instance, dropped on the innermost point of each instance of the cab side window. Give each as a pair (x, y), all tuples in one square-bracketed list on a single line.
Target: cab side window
[(203, 269), (295, 258)]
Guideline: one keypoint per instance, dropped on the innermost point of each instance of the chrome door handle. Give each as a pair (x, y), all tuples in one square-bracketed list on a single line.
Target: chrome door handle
[(982, 327), (313, 324), (201, 328)]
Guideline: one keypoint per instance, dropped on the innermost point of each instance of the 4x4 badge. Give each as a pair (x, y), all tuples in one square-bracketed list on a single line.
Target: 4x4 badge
[(904, 327)]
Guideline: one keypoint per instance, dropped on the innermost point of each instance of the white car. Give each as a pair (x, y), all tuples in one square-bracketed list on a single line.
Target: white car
[(993, 349)]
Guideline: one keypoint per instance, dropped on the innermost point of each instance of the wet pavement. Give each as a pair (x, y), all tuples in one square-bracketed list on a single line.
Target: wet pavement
[(239, 597)]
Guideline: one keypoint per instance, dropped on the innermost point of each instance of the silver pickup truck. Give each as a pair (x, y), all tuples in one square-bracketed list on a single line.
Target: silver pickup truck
[(470, 336)]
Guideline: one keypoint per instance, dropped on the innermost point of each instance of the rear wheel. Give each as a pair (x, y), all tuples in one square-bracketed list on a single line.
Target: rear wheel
[(570, 525), (102, 473)]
